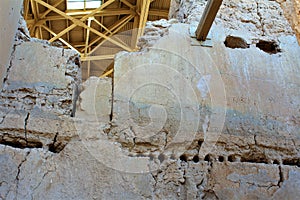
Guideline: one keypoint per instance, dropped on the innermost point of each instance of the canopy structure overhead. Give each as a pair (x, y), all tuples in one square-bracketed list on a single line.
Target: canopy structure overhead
[(97, 29)]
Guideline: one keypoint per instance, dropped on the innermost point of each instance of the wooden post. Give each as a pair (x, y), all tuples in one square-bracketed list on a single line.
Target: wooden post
[(207, 19)]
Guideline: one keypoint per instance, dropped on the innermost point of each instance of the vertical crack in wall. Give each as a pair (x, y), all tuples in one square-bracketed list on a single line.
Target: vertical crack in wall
[(112, 97), (25, 127), (52, 146), (4, 116), (9, 66), (19, 171), (281, 177)]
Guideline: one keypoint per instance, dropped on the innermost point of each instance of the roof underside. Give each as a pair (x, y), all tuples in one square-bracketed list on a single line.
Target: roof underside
[(97, 33)]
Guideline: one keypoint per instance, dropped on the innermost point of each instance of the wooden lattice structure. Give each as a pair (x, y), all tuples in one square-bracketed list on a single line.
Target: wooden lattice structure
[(96, 33)]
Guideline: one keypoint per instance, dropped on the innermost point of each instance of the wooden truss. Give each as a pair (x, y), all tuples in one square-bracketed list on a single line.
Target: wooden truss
[(86, 31)]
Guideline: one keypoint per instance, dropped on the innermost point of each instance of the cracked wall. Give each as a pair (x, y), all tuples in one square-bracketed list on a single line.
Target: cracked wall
[(152, 132), (10, 14), (40, 89)]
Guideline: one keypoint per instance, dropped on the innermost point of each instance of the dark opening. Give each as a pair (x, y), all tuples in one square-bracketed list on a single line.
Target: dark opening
[(221, 159), (200, 143), (196, 158), (270, 47), (231, 158), (291, 161), (56, 147), (236, 42), (207, 157), (255, 157), (276, 162), (183, 158), (20, 142)]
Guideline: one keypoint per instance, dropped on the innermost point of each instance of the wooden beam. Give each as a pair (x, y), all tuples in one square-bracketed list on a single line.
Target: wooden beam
[(87, 37), (122, 23), (26, 9), (80, 23), (75, 21), (106, 12), (158, 12), (79, 15), (112, 33), (127, 4), (207, 19), (35, 17), (38, 14), (107, 73), (101, 57), (143, 18), (88, 68), (43, 15), (135, 25), (60, 39)]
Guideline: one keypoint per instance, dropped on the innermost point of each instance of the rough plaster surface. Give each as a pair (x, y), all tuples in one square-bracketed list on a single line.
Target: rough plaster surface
[(40, 76), (123, 142), (10, 14)]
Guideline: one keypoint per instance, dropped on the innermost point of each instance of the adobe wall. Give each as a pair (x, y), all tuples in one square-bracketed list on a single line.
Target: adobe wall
[(178, 121), (9, 17)]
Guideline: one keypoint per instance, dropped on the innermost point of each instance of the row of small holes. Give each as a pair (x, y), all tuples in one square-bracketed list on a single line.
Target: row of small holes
[(232, 158)]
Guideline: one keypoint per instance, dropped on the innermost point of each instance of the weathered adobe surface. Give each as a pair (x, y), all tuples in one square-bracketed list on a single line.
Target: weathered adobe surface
[(256, 157), (39, 92), (260, 17), (48, 83)]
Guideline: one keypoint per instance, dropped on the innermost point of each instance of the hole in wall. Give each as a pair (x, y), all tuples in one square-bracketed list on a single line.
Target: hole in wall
[(292, 162), (232, 158), (270, 47), (20, 142), (196, 158), (255, 157), (207, 158), (221, 159), (56, 147), (183, 158), (236, 42), (276, 162)]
